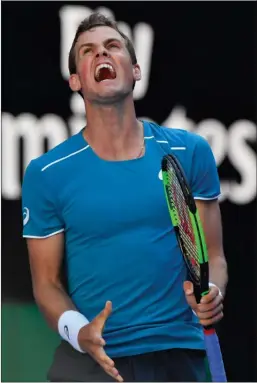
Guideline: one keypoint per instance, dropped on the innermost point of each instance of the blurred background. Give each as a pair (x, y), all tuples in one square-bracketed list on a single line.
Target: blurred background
[(198, 70)]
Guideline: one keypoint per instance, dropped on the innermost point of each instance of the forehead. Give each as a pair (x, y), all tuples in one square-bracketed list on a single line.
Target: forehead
[(97, 35)]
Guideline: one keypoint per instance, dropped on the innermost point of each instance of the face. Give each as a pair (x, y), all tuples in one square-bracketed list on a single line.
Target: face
[(105, 72)]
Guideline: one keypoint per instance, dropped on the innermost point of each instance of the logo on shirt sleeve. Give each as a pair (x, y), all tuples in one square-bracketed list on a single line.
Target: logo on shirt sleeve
[(160, 175), (25, 216)]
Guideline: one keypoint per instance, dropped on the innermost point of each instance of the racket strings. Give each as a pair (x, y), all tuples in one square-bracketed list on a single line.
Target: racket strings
[(186, 231)]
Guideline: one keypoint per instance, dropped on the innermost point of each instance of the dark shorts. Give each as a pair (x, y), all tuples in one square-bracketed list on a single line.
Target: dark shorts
[(175, 365)]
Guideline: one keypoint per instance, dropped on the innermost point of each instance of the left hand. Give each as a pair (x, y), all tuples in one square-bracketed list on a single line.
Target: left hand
[(210, 308)]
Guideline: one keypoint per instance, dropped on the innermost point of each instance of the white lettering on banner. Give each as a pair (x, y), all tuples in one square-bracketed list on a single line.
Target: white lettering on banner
[(215, 133), (32, 131), (142, 37), (233, 143), (243, 159), (143, 42), (70, 17)]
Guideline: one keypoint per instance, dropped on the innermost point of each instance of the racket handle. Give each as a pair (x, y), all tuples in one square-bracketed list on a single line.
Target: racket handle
[(214, 355)]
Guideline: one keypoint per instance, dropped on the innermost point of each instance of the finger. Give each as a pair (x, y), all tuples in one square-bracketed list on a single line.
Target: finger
[(102, 358), (210, 314), (189, 293), (108, 365), (98, 340), (119, 378), (212, 294), (103, 315), (205, 307), (114, 373), (212, 321), (107, 310), (188, 287)]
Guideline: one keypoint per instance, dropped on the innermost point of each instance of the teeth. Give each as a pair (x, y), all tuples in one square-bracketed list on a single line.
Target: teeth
[(103, 66)]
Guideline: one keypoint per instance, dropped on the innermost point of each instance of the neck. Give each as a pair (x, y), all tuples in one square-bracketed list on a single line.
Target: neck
[(113, 131)]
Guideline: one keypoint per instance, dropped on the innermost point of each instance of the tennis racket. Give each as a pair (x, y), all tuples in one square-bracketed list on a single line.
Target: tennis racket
[(188, 228)]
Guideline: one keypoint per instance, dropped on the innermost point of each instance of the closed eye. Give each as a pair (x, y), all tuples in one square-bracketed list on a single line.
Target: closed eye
[(113, 45), (86, 50)]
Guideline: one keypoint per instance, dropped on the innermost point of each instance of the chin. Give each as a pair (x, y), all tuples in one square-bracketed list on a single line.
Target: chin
[(110, 96)]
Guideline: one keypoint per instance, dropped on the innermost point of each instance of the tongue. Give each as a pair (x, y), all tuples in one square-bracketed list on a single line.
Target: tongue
[(105, 74)]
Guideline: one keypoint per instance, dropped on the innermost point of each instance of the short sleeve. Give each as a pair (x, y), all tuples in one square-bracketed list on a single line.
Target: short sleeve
[(40, 217), (205, 182)]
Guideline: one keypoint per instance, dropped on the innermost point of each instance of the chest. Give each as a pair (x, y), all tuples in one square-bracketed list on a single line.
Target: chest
[(109, 197)]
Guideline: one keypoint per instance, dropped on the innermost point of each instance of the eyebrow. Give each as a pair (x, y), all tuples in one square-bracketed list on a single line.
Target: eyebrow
[(106, 42)]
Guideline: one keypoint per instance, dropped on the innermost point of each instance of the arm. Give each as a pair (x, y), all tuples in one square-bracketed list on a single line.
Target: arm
[(45, 257), (210, 216), (206, 189), (205, 186), (43, 229)]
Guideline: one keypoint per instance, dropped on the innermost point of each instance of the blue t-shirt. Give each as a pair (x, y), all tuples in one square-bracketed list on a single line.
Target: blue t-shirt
[(120, 243)]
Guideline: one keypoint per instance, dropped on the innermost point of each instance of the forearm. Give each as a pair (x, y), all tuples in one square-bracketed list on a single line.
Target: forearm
[(218, 271), (52, 301)]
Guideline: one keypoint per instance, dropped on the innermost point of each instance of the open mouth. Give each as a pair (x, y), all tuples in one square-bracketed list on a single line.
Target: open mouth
[(104, 72)]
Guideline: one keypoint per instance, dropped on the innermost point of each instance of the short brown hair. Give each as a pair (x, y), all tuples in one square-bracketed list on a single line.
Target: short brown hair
[(97, 20)]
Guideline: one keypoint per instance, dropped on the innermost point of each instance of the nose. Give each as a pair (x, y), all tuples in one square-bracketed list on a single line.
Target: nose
[(102, 52)]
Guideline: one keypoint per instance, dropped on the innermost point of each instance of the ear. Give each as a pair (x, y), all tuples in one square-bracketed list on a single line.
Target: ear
[(74, 83), (137, 72)]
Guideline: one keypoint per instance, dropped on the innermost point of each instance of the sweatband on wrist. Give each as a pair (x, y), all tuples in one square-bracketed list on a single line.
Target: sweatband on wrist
[(69, 325), (213, 284)]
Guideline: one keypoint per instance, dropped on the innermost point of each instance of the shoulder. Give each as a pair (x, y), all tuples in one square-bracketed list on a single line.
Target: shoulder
[(65, 150), (178, 138)]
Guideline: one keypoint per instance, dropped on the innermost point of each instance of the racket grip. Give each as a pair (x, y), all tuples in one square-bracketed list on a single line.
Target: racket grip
[(214, 355)]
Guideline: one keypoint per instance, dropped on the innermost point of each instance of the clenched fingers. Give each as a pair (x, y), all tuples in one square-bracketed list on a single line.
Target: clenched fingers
[(212, 321), (212, 295), (210, 313), (209, 306)]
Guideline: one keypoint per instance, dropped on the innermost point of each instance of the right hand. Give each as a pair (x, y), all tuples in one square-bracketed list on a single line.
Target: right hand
[(90, 340)]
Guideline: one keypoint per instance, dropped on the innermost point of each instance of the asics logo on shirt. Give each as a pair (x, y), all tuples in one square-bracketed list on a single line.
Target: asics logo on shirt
[(160, 175), (25, 216)]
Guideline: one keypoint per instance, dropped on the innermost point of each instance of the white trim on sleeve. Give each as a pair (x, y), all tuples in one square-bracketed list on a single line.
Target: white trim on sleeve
[(45, 236), (208, 198)]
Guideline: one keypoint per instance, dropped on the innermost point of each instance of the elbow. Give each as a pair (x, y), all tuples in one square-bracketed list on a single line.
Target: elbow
[(40, 295)]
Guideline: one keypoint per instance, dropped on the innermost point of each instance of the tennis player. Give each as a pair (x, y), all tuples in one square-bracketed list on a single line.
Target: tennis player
[(95, 204)]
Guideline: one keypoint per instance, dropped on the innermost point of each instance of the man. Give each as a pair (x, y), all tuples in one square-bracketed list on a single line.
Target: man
[(96, 203)]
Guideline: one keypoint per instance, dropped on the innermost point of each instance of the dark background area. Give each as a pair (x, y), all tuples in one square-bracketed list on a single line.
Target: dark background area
[(203, 59)]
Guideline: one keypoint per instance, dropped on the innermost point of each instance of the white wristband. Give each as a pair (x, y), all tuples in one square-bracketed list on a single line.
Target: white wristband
[(213, 284), (69, 325)]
